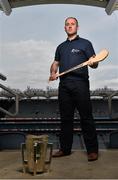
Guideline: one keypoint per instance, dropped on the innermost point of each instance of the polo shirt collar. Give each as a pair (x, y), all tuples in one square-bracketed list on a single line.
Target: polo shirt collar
[(76, 38)]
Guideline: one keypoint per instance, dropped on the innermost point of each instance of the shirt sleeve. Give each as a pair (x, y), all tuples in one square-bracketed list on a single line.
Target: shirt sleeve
[(90, 50), (57, 54)]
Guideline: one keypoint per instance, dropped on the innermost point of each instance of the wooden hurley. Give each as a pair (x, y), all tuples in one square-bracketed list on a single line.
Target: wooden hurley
[(99, 57)]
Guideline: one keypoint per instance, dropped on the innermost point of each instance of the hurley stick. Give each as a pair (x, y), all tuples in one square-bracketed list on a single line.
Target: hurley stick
[(97, 58)]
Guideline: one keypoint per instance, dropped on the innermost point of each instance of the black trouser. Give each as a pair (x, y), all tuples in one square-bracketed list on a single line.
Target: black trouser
[(76, 95)]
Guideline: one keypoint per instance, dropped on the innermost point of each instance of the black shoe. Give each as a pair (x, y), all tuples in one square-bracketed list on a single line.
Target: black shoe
[(92, 156), (60, 153)]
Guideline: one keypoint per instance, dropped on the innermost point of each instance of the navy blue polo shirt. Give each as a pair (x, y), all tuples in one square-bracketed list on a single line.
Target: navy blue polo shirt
[(71, 53)]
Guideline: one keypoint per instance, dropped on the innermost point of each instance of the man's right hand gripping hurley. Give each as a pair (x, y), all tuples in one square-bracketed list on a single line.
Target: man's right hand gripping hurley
[(53, 76)]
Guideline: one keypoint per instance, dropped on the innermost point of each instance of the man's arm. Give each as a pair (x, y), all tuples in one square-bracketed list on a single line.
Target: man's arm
[(53, 70), (91, 54)]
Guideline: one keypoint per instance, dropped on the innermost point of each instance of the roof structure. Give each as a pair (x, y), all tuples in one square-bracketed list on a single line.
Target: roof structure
[(7, 5)]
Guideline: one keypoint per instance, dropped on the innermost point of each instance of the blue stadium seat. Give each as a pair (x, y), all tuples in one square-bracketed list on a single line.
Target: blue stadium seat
[(11, 140)]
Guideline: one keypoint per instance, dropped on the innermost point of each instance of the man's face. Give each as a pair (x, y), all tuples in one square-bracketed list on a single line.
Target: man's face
[(71, 26)]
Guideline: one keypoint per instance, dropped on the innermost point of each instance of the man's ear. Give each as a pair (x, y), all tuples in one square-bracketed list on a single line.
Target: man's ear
[(65, 28)]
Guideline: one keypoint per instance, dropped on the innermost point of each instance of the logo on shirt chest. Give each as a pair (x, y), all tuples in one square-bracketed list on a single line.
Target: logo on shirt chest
[(75, 50)]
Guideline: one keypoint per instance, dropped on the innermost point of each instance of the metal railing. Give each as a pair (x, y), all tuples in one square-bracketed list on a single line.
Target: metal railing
[(2, 77), (110, 102)]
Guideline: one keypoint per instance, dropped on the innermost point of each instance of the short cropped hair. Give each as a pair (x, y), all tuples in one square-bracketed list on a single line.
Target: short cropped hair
[(72, 18)]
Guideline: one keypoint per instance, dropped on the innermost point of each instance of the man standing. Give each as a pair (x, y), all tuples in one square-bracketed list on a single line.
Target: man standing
[(74, 90)]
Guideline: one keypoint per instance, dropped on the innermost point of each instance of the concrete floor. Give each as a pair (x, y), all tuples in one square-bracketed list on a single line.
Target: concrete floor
[(74, 166)]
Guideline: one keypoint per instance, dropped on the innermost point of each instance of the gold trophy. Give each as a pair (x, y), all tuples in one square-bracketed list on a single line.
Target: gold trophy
[(36, 154)]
